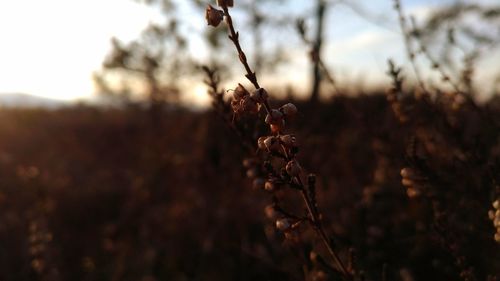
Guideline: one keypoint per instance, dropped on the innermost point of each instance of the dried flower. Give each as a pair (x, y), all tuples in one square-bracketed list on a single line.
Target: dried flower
[(213, 16)]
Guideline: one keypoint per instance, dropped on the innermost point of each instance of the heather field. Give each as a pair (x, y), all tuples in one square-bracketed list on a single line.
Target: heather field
[(93, 194), (325, 140)]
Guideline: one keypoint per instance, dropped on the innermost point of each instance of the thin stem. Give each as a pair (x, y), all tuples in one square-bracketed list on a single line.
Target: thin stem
[(321, 232), (409, 51), (234, 36)]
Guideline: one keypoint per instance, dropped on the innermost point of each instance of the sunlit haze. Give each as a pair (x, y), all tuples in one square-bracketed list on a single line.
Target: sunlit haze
[(51, 48)]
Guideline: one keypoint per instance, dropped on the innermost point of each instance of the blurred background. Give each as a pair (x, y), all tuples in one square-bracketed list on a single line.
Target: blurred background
[(55, 49), (114, 165)]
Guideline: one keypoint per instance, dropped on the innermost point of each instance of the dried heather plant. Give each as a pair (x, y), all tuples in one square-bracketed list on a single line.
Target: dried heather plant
[(281, 169), (445, 157)]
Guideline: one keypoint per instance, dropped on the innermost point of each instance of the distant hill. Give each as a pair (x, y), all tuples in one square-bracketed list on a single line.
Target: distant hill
[(26, 100)]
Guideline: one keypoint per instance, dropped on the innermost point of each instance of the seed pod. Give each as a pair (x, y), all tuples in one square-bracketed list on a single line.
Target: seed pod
[(293, 168), (283, 224), (213, 16), (274, 117), (260, 95), (289, 109)]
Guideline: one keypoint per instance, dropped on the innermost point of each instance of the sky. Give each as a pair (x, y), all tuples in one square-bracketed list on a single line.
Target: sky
[(51, 48)]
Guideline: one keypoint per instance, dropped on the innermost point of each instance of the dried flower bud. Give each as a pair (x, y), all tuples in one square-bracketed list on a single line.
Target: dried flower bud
[(258, 183), (283, 224), (240, 92), (293, 168), (260, 95), (288, 140), (213, 16), (289, 109), (274, 117), (225, 3)]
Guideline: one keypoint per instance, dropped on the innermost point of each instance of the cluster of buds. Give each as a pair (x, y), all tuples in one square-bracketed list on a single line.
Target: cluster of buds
[(494, 215), (243, 102), (276, 117), (40, 238), (275, 144), (413, 182)]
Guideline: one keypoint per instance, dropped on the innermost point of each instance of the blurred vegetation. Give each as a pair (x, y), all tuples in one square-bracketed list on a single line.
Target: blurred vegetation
[(94, 194)]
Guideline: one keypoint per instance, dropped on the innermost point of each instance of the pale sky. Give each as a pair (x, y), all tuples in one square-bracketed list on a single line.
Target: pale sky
[(50, 48)]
